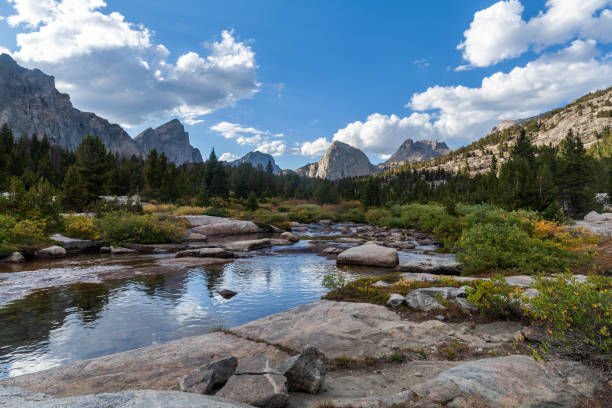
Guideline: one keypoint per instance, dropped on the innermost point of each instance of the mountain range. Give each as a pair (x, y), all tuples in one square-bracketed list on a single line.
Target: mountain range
[(256, 159), (30, 105)]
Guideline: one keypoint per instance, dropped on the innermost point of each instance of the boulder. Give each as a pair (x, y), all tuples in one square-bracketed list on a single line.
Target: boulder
[(370, 255), (206, 379), (51, 252), (306, 371), (530, 293), (208, 225), (465, 306), (594, 216), (325, 223), (251, 245), (105, 250), (608, 216), (73, 244), (121, 251), (289, 237), (381, 284), (226, 293), (522, 281), (420, 301), (205, 253), (15, 257), (396, 300), (195, 237), (259, 390), (513, 381), (445, 293), (441, 264)]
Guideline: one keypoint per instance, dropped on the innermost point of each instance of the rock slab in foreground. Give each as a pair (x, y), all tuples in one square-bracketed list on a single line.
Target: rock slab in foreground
[(369, 255), (125, 399), (509, 382), (306, 371)]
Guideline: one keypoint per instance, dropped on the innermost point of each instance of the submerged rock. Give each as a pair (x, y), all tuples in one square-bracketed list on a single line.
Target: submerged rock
[(205, 379), (51, 252), (306, 371), (370, 255), (250, 245), (14, 258), (226, 293)]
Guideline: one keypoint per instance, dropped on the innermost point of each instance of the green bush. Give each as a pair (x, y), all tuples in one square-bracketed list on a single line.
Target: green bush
[(26, 234), (309, 213), (577, 315), (123, 228), (495, 298)]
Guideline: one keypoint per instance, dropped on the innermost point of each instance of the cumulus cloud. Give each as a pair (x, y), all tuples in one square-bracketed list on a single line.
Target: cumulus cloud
[(228, 157), (263, 140), (464, 114), (499, 32), (316, 148), (382, 134), (114, 67)]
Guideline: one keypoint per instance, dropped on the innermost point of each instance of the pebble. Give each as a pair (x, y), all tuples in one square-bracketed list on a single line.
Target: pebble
[(418, 374)]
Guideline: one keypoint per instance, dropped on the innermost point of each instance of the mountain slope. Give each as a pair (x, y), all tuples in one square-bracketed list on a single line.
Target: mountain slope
[(588, 117), (257, 158), (171, 139), (30, 104), (421, 150), (340, 161)]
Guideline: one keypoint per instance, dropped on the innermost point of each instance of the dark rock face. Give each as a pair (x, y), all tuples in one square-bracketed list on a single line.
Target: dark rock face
[(170, 139), (418, 151), (306, 371), (207, 378), (340, 161), (30, 104), (257, 159)]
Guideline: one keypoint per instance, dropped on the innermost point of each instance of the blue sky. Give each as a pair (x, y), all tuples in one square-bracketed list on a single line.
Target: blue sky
[(289, 77)]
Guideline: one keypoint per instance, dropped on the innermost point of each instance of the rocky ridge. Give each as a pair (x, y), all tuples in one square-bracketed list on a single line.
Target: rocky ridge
[(31, 105), (170, 139), (586, 117)]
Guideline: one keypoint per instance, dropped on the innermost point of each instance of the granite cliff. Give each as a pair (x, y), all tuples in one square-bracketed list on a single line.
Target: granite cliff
[(171, 139)]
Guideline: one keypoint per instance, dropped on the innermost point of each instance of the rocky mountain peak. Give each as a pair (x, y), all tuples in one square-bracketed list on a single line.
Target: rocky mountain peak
[(411, 151), (340, 161), (31, 105), (257, 158), (171, 139)]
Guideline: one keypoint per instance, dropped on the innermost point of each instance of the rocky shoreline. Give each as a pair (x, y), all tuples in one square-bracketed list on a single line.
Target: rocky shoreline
[(358, 341)]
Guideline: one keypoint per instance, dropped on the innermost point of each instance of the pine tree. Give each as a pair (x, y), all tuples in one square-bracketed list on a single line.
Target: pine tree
[(73, 192), (94, 165), (251, 203), (576, 176)]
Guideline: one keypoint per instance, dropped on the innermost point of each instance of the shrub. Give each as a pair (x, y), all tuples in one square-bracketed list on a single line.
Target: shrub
[(309, 213), (189, 210), (333, 281), (577, 315), (216, 212), (81, 227), (122, 228), (157, 208), (24, 234), (495, 298), (377, 216)]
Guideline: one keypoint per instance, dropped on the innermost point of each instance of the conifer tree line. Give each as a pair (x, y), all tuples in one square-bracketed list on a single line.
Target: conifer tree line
[(555, 181)]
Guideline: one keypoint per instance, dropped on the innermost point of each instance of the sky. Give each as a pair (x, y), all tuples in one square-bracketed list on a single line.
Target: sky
[(287, 77)]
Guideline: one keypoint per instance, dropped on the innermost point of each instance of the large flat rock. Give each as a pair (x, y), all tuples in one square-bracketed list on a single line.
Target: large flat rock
[(208, 225), (157, 367)]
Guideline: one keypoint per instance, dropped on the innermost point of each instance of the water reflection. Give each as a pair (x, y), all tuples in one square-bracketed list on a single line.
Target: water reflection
[(76, 322)]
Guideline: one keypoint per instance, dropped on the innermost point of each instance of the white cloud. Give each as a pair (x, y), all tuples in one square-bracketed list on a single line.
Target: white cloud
[(250, 136), (316, 148), (464, 114), (382, 134), (114, 67), (499, 31), (228, 157)]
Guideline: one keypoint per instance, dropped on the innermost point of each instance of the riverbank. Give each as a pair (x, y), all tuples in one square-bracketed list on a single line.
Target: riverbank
[(360, 342)]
